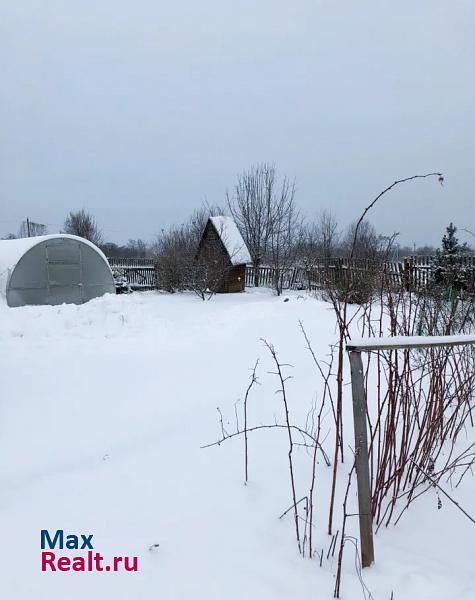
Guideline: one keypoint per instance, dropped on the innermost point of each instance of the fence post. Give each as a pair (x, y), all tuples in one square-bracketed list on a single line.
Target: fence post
[(157, 274), (407, 278), (361, 459)]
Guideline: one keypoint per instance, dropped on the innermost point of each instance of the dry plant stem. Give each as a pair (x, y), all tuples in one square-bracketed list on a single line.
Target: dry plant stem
[(424, 400), (338, 427), (221, 422), (306, 520), (326, 391), (293, 507), (325, 377), (306, 528), (253, 381), (304, 434), (389, 188), (331, 548), (313, 479), (435, 484), (341, 311), (282, 390), (336, 592)]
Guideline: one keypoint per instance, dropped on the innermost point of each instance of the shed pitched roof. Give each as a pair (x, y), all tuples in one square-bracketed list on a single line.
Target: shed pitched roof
[(232, 239)]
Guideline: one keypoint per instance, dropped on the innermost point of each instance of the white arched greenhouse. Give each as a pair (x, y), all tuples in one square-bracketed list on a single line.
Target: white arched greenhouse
[(52, 269)]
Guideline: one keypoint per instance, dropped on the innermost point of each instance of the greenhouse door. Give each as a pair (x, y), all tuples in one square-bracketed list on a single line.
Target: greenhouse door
[(64, 271)]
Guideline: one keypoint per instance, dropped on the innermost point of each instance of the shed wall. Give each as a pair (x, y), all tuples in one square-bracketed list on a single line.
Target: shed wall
[(234, 280)]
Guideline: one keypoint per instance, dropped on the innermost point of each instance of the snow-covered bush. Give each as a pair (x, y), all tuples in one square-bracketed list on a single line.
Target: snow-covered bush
[(122, 285)]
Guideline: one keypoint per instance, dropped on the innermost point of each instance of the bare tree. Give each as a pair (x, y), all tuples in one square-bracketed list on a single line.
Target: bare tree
[(284, 231), (179, 267), (362, 243), (423, 250), (327, 234), (258, 206), (173, 249), (137, 248), (199, 218), (206, 273), (317, 241), (84, 225)]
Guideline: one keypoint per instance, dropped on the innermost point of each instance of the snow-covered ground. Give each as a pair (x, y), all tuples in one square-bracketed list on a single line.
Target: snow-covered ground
[(103, 411)]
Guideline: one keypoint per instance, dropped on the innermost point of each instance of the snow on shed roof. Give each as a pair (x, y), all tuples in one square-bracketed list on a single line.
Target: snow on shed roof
[(232, 239)]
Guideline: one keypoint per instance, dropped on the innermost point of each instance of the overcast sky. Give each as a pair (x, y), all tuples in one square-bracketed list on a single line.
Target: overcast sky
[(139, 110)]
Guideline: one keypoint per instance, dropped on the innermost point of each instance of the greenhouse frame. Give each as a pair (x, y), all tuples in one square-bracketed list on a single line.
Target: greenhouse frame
[(53, 269)]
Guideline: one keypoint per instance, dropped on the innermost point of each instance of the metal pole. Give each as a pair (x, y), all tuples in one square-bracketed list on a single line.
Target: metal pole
[(361, 459)]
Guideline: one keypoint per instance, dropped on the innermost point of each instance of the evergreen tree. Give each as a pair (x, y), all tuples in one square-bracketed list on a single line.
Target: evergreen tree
[(448, 269), (450, 244)]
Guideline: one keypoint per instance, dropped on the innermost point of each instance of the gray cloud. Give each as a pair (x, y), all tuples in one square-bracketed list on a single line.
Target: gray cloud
[(138, 111)]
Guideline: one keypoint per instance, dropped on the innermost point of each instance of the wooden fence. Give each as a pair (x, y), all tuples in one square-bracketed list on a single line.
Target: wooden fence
[(412, 273), (141, 273), (326, 274)]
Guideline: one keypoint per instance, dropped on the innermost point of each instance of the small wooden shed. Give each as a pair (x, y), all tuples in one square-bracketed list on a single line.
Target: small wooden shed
[(222, 248)]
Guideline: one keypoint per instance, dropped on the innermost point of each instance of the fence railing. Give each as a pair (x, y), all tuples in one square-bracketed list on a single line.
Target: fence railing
[(412, 273), (326, 274), (141, 273)]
